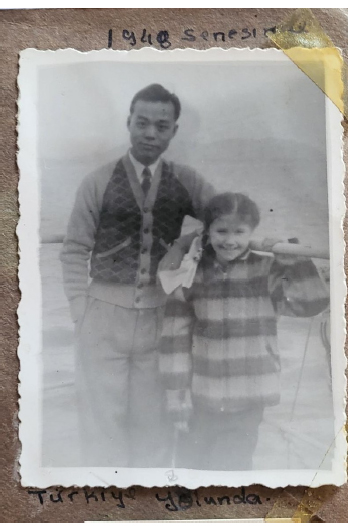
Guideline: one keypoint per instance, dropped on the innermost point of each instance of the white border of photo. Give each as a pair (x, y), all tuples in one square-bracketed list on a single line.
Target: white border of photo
[(29, 311)]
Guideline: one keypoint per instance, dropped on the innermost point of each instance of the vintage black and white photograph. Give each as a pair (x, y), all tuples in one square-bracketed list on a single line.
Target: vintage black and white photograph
[(181, 270)]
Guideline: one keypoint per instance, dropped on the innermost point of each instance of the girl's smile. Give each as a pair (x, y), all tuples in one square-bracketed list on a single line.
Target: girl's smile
[(229, 237)]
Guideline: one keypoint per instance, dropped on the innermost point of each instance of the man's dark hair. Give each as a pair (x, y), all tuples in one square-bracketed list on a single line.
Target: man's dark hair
[(157, 93), (240, 205)]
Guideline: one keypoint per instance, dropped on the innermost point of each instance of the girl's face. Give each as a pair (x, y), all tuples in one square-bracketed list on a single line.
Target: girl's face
[(229, 237)]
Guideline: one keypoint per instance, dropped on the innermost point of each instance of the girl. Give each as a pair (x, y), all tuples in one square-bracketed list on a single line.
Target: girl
[(219, 357)]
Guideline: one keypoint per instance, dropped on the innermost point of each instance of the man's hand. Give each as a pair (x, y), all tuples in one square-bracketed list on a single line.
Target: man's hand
[(173, 258)]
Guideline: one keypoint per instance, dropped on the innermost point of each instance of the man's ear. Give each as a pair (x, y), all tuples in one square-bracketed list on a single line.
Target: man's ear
[(128, 121), (175, 129)]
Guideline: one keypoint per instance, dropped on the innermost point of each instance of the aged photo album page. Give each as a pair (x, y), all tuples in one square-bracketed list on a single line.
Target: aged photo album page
[(181, 271)]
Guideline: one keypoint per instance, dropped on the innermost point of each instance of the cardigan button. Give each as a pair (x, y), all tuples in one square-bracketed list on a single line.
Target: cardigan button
[(144, 250), (137, 300), (146, 209), (146, 230), (140, 285), (143, 270)]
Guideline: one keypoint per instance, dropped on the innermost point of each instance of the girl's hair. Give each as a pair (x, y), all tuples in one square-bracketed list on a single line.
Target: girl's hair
[(244, 209)]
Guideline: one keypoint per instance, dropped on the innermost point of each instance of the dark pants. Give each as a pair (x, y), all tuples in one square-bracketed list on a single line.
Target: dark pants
[(220, 441)]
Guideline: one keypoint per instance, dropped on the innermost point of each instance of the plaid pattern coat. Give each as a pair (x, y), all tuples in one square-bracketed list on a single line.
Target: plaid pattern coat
[(220, 336)]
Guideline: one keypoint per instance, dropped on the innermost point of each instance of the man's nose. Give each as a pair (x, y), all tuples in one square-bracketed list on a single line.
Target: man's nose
[(150, 132)]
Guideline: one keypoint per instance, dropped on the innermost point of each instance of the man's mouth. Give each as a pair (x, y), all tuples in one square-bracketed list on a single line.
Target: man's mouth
[(149, 147)]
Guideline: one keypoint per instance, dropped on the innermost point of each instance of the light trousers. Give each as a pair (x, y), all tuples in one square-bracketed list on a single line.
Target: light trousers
[(120, 400)]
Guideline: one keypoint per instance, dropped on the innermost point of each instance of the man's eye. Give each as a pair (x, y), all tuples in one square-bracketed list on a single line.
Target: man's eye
[(162, 127), (141, 124), (221, 231)]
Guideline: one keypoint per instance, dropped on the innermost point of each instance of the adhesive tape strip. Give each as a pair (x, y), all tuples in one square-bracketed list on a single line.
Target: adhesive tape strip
[(303, 40), (278, 520), (313, 499)]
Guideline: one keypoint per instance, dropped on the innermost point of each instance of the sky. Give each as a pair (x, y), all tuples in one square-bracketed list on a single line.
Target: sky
[(247, 127)]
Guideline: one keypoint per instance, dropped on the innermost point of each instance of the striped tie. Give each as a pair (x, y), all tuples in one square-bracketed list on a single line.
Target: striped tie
[(146, 182)]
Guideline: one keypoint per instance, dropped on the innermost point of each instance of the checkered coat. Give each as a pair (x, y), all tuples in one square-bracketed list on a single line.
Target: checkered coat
[(220, 336)]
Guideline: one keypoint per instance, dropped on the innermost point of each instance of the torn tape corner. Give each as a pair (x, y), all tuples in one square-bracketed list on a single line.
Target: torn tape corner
[(303, 40)]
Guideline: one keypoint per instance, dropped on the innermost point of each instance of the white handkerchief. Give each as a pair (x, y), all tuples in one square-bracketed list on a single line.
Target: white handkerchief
[(184, 275)]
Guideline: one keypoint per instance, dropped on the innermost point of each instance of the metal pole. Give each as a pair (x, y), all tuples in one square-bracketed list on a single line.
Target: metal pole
[(289, 249), (293, 249)]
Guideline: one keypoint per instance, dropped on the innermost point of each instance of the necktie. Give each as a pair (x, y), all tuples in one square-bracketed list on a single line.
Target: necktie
[(146, 182)]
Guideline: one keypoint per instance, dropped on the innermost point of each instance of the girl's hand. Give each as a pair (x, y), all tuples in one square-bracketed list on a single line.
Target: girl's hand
[(182, 426), (179, 406)]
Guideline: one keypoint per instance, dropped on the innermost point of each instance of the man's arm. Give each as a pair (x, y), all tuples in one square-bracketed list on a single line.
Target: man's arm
[(200, 192), (79, 242)]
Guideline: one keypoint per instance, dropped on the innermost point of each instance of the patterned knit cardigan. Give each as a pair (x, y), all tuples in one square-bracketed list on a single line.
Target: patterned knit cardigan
[(220, 336)]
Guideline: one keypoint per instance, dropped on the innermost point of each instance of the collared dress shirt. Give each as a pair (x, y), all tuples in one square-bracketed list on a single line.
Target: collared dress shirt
[(139, 167)]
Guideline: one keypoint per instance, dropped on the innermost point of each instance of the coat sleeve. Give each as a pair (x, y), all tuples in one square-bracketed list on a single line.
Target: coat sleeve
[(200, 191), (297, 289), (79, 241), (175, 362), (176, 342)]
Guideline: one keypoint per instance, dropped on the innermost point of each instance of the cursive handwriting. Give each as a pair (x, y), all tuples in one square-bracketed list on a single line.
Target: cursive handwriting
[(89, 495), (162, 38), (177, 499), (183, 499)]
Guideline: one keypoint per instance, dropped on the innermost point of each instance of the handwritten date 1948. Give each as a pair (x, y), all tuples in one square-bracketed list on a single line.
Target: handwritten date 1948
[(162, 37)]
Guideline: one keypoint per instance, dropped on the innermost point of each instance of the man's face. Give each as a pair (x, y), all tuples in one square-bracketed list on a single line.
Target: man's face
[(229, 237), (151, 126)]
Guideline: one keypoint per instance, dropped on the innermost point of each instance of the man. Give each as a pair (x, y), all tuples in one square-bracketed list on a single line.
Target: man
[(124, 219)]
